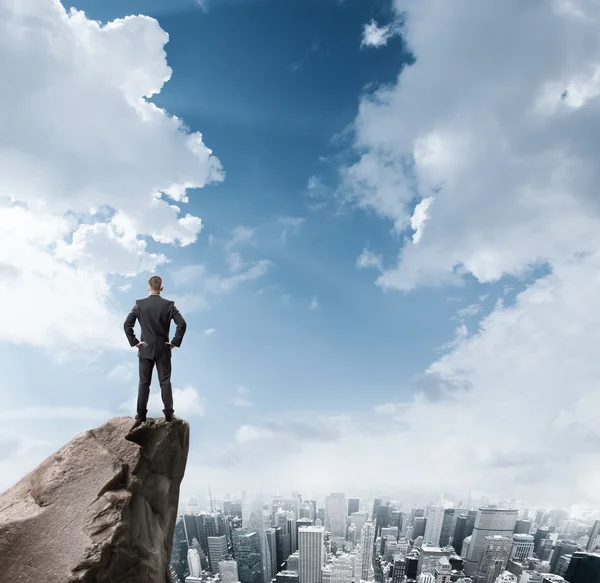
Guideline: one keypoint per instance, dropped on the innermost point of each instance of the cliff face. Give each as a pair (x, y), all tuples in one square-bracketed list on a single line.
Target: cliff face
[(102, 509)]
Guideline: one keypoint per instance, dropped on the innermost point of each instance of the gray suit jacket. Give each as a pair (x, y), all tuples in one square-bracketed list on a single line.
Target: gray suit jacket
[(155, 314)]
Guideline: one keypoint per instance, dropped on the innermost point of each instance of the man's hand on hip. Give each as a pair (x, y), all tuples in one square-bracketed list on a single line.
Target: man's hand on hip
[(170, 344), (139, 344)]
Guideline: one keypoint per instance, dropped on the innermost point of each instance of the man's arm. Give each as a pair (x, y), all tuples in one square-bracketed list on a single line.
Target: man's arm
[(181, 326), (130, 323)]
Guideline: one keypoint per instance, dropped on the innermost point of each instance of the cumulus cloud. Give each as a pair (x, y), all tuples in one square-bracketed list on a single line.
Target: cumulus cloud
[(369, 259), (89, 168), (241, 397), (378, 36)]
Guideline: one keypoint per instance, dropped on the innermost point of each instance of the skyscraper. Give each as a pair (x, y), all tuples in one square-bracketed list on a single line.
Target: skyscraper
[(376, 504), (217, 551), (494, 557), (489, 522), (419, 527), (335, 515), (382, 519), (353, 505), (433, 527), (341, 570), (246, 549), (447, 530), (194, 563), (584, 568), (365, 556), (522, 547), (593, 540), (311, 553), (253, 518), (563, 547), (228, 570), (522, 526), (271, 535), (459, 534)]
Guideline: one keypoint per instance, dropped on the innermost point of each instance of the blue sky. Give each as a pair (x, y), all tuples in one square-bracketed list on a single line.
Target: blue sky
[(396, 225)]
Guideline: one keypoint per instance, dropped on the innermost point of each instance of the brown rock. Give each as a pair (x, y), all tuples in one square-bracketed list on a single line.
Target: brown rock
[(102, 509)]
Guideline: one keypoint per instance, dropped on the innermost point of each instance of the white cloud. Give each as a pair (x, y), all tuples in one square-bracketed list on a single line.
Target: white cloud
[(239, 236), (84, 159), (369, 259), (123, 372), (240, 399), (378, 36), (187, 402), (251, 433), (314, 304), (209, 331), (419, 217)]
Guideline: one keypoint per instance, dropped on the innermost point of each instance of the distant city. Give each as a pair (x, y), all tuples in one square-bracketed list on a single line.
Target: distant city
[(351, 540)]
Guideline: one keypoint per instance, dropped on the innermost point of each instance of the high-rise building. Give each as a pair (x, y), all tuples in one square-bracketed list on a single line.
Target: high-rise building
[(540, 534), (376, 504), (494, 557), (311, 553), (563, 565), (448, 525), (584, 568), (382, 519), (443, 570), (398, 569), (563, 547), (429, 557), (341, 570), (335, 515), (459, 534), (364, 560), (293, 563), (433, 526), (217, 552), (522, 547), (359, 519), (594, 537), (194, 563), (246, 549), (522, 526), (253, 518), (271, 535), (489, 522), (353, 505), (179, 560), (228, 570), (419, 527), (291, 521)]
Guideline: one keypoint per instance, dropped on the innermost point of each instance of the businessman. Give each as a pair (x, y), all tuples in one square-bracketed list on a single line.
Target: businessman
[(154, 347)]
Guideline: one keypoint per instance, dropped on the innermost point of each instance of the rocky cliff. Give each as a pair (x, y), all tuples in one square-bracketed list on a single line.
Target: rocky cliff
[(102, 509)]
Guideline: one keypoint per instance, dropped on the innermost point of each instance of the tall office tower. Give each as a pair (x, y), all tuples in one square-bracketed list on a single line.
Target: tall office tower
[(522, 526), (563, 565), (179, 560), (280, 556), (194, 563), (389, 531), (443, 571), (489, 522), (228, 570), (594, 534), (540, 534), (376, 504), (494, 557), (359, 519), (416, 513), (563, 547), (584, 568), (232, 508), (311, 553), (412, 565), (293, 562), (291, 521), (246, 549), (382, 519), (522, 547), (313, 504), (341, 570), (335, 515), (365, 556), (253, 518), (217, 552), (306, 511), (190, 525), (459, 534), (398, 569), (433, 527), (281, 521), (271, 536), (448, 525), (419, 527), (353, 505)]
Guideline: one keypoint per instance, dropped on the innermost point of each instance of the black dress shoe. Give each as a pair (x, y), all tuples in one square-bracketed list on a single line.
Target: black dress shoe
[(169, 417), (138, 422)]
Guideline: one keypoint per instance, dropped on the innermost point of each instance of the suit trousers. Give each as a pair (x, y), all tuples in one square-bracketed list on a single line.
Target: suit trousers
[(163, 369)]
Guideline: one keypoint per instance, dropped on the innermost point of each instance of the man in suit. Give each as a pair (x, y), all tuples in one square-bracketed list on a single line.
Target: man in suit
[(154, 314)]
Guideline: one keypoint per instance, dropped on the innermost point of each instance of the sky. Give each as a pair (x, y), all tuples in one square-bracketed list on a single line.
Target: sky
[(380, 220)]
